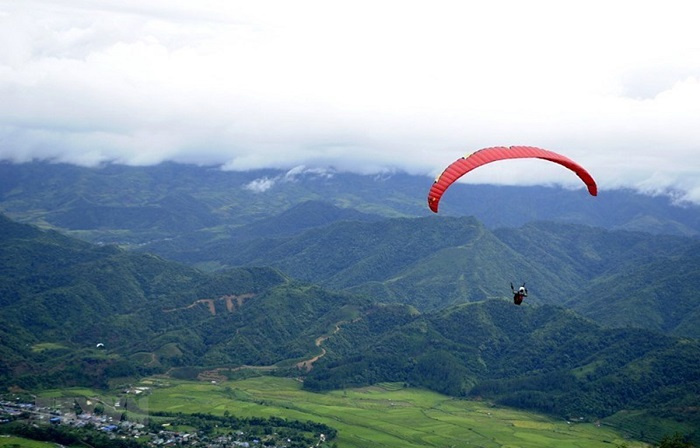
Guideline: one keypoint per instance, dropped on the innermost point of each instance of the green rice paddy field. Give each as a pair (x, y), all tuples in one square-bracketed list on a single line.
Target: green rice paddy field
[(17, 442), (386, 415)]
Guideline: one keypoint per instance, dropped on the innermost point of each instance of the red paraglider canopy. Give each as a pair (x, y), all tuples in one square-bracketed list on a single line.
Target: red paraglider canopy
[(462, 166)]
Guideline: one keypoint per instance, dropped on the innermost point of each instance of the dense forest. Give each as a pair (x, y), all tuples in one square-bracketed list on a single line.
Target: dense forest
[(138, 271), (149, 314)]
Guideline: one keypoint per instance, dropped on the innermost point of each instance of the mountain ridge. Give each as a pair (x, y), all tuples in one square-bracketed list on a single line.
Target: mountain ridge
[(431, 262), (167, 200)]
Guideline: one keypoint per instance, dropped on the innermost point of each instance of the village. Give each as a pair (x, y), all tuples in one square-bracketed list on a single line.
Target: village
[(148, 435)]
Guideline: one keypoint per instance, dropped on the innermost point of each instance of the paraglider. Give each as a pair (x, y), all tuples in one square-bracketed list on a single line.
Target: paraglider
[(481, 157), (519, 294)]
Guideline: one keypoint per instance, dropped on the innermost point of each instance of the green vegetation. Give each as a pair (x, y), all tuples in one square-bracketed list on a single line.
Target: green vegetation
[(64, 435), (44, 346), (675, 441), (433, 263), (419, 302), (540, 358), (650, 425), (271, 431), (127, 204), (618, 278), (153, 316), (204, 216), (387, 415), (19, 442)]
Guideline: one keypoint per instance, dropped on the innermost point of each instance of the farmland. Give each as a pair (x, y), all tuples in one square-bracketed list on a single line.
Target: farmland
[(385, 415)]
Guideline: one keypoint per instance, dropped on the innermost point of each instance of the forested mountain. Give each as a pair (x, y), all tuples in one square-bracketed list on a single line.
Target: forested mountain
[(660, 294), (543, 358), (619, 278), (134, 205), (343, 279), (55, 286), (63, 297), (427, 262)]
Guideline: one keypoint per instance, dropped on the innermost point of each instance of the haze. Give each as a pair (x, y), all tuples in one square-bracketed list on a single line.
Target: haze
[(358, 86)]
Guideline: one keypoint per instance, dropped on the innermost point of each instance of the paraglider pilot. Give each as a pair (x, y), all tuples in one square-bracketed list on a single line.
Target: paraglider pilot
[(518, 295)]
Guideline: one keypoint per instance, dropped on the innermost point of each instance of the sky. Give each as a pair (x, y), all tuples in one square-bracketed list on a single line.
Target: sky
[(362, 86)]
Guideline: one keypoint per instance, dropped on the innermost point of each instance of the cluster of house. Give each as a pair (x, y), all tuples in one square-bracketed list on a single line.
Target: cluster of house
[(10, 410), (38, 413), (125, 429)]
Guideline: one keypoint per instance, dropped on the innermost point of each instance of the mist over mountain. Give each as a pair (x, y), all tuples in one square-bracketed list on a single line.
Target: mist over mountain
[(136, 205)]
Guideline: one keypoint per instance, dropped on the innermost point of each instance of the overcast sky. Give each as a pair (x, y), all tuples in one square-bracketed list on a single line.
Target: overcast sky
[(364, 86)]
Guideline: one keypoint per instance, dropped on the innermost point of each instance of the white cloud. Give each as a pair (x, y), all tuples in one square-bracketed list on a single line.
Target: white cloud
[(362, 86), (266, 183), (260, 185)]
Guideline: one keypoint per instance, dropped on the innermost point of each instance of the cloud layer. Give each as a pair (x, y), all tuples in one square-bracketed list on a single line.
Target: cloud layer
[(360, 86)]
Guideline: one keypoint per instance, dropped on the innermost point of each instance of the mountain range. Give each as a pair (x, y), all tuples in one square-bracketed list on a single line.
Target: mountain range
[(136, 205), (345, 287), (63, 297), (616, 277)]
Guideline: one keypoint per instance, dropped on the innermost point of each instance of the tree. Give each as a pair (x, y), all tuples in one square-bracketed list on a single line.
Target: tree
[(675, 441)]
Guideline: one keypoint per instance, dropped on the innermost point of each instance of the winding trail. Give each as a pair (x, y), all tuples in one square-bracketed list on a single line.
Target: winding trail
[(308, 364)]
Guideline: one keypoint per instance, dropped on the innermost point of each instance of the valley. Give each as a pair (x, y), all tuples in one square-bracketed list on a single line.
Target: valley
[(386, 414), (353, 308)]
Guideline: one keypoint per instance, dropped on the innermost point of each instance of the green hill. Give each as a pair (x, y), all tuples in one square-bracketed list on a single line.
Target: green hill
[(618, 278), (426, 262), (62, 297), (658, 294), (540, 358)]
